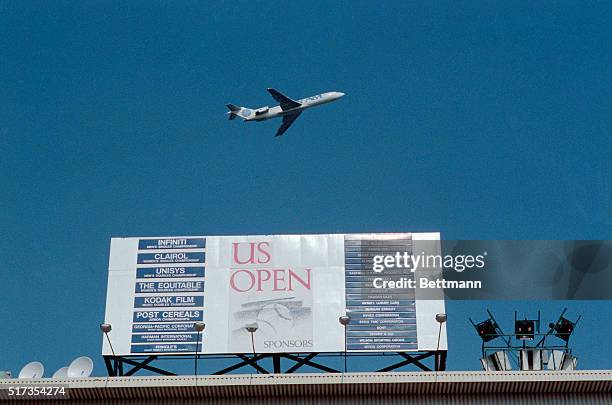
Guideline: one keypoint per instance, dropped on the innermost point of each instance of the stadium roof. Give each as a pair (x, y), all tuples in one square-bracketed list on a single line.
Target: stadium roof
[(325, 385)]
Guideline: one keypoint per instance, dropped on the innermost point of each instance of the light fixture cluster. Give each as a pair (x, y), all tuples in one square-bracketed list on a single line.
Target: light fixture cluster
[(536, 356)]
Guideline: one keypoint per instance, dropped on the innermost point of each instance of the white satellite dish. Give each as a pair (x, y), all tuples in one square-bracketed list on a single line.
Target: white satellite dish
[(80, 367), (61, 373), (34, 369)]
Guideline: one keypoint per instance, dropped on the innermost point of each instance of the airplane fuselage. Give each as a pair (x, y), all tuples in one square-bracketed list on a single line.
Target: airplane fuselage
[(265, 113), (288, 108)]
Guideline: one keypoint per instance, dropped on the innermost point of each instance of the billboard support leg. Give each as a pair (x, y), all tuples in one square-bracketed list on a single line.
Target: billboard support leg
[(409, 360), (306, 361), (252, 361), (115, 364), (276, 361), (245, 361), (441, 360), (301, 362), (416, 359), (111, 365), (138, 366)]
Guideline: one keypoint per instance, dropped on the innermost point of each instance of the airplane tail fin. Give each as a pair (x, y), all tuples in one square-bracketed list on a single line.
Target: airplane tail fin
[(242, 112), (233, 111)]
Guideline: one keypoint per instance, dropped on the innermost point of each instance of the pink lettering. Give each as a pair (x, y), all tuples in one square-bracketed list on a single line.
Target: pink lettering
[(261, 279), (279, 276), (251, 258), (293, 275), (260, 246), (250, 280)]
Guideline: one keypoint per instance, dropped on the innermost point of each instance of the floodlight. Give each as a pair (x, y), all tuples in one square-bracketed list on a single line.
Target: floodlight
[(199, 327), (525, 329), (344, 321), (497, 361), (440, 318), (487, 330), (563, 328), (252, 328), (105, 328), (560, 360)]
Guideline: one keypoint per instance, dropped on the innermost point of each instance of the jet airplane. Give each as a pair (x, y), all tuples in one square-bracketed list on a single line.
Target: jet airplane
[(289, 109)]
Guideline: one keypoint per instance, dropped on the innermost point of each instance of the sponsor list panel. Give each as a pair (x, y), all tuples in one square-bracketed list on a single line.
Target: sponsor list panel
[(168, 295), (381, 318)]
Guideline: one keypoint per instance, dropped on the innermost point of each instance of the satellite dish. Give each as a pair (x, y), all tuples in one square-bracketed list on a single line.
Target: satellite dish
[(80, 367), (34, 369), (61, 374)]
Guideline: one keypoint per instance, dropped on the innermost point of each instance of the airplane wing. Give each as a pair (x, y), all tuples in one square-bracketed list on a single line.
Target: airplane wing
[(285, 102), (287, 121)]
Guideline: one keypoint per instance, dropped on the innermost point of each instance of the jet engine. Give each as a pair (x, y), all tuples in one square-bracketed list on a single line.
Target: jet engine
[(262, 110)]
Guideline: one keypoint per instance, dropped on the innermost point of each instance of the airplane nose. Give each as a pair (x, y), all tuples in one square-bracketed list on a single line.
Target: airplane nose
[(340, 94)]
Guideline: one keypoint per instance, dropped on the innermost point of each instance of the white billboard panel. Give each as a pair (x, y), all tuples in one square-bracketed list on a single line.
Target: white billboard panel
[(293, 286)]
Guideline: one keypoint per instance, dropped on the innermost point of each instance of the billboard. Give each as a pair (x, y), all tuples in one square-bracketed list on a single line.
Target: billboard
[(293, 286)]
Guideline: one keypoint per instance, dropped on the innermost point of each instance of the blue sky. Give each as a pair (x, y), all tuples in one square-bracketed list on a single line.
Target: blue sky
[(478, 120)]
